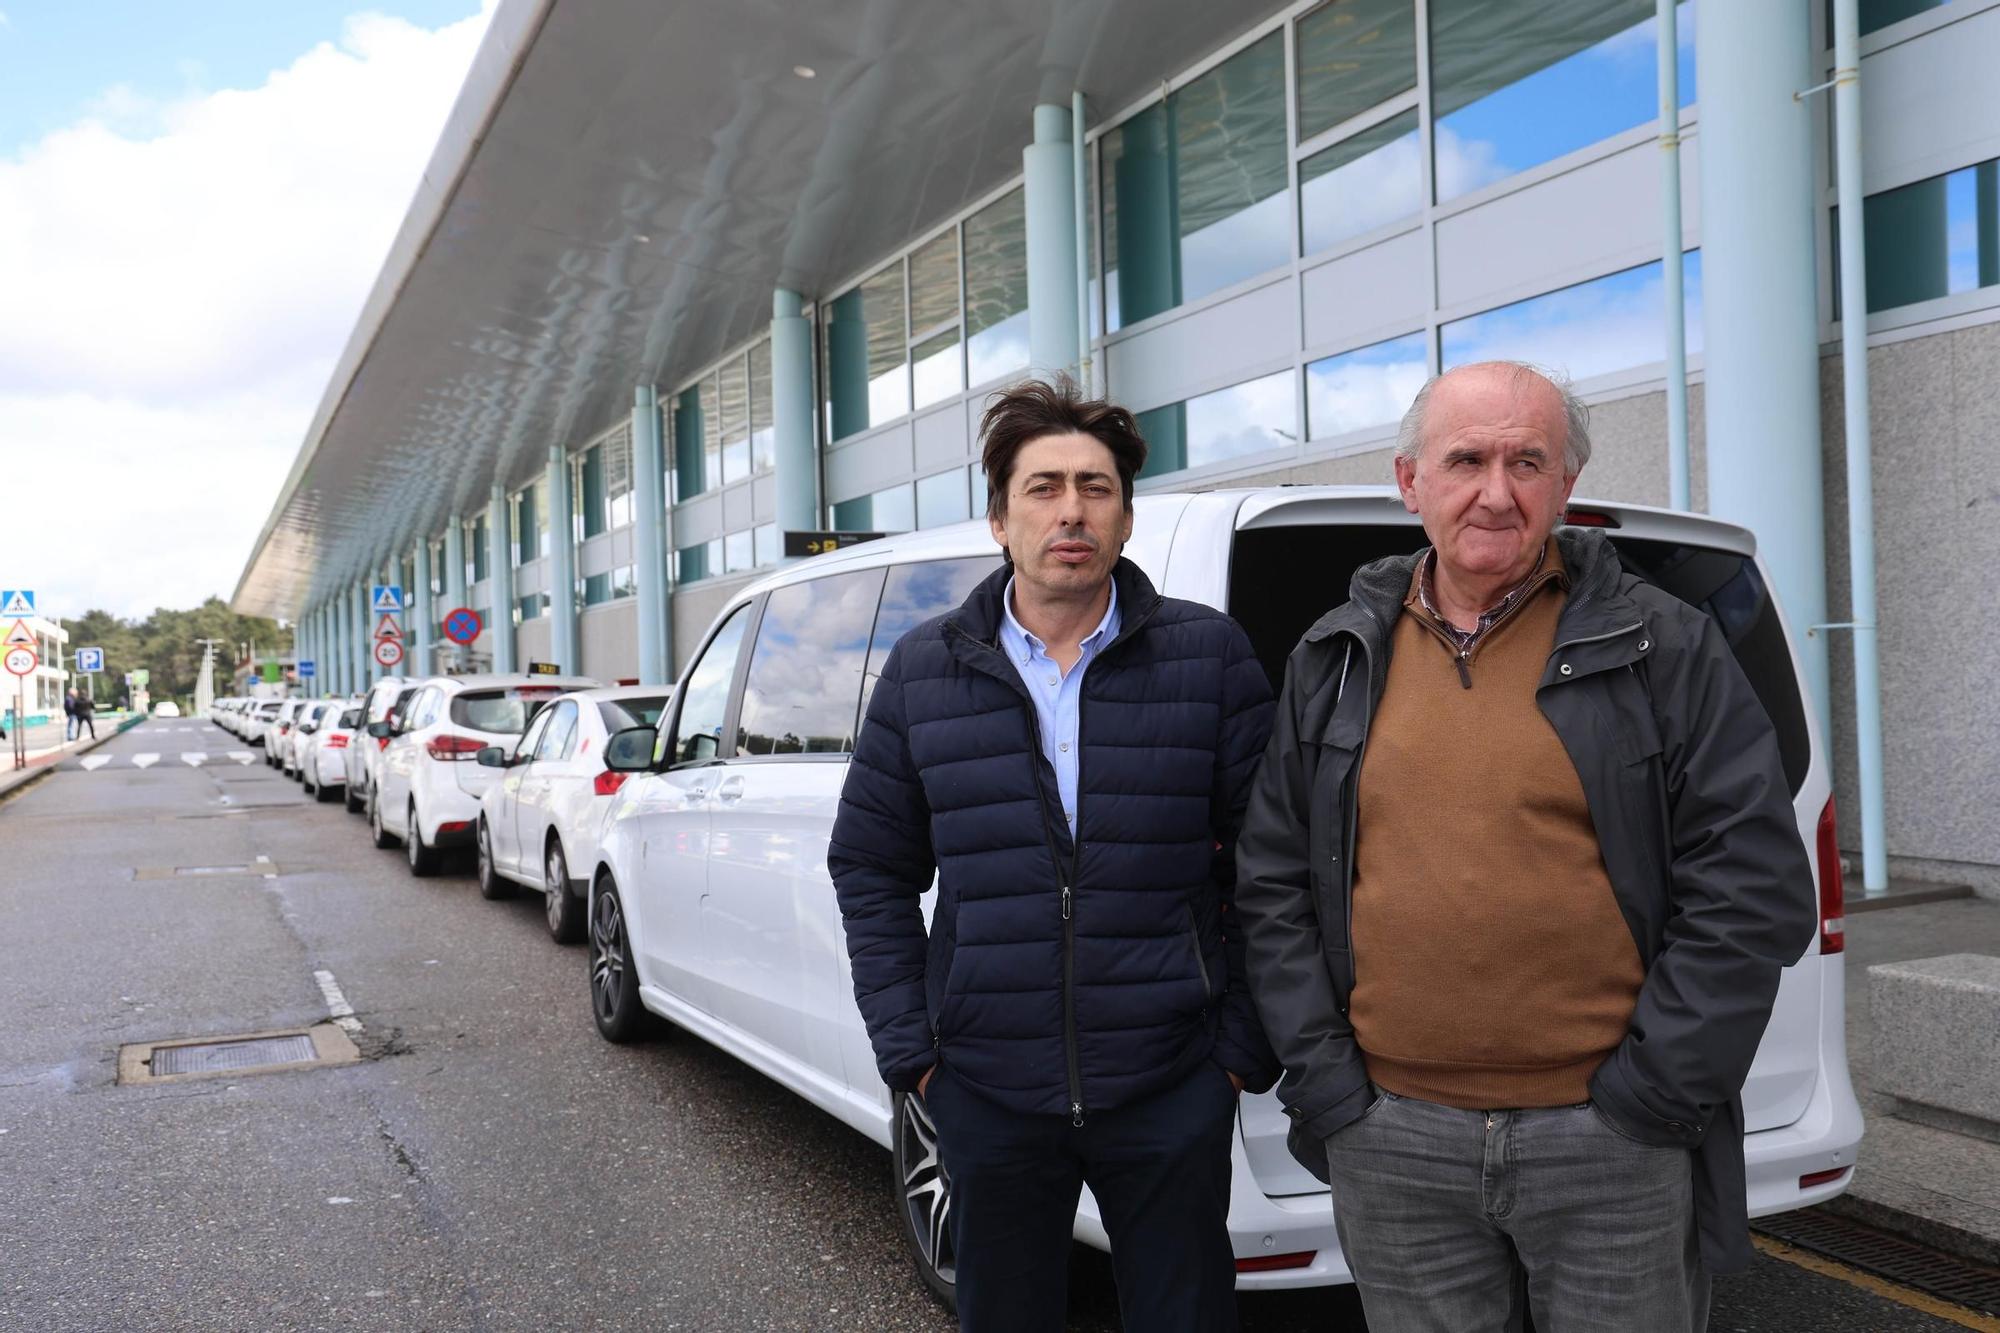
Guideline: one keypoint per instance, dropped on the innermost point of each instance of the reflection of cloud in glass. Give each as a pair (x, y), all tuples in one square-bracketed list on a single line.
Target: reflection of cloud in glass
[(1593, 328), (1463, 167), (914, 594), (1361, 183), (805, 673), (1370, 386), (998, 351), (1236, 247), (1249, 418)]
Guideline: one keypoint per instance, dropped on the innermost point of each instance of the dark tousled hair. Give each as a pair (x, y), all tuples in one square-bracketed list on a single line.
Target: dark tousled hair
[(1034, 409)]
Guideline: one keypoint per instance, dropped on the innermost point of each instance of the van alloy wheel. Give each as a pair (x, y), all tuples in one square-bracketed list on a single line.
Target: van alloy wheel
[(923, 1198), (614, 982)]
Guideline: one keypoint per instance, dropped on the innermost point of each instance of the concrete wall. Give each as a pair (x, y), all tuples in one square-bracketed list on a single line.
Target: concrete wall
[(609, 638), (531, 643)]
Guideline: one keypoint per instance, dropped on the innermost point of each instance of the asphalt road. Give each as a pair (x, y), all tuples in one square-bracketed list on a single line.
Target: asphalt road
[(489, 1165)]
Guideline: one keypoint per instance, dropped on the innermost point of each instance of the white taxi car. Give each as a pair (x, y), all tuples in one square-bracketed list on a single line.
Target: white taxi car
[(323, 747), (543, 815), (426, 787)]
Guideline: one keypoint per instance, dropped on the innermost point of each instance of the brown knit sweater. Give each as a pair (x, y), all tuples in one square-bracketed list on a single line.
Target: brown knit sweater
[(1492, 966)]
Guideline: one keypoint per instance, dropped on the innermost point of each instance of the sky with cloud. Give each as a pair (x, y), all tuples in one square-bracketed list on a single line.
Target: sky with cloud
[(194, 201)]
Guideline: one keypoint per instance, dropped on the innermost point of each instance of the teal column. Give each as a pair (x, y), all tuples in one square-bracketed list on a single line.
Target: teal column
[(336, 662), (1146, 210), (795, 460), (846, 366), (649, 539), (1049, 196), (424, 614), (364, 665), (500, 581), (562, 564), (454, 577), (1759, 319)]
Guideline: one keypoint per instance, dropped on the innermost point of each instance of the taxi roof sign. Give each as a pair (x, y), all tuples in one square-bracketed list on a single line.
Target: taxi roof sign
[(544, 669)]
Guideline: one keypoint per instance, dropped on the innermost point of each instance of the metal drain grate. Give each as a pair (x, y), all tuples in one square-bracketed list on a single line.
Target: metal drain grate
[(217, 1057), (1944, 1276)]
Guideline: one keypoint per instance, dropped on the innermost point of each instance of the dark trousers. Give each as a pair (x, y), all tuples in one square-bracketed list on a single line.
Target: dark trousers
[(84, 720), (1159, 1169)]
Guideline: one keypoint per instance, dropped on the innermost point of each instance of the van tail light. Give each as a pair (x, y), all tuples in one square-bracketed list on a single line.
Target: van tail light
[(1272, 1263), (453, 748), (1589, 518), (1813, 1179), (381, 742), (336, 742), (607, 783), (1832, 898)]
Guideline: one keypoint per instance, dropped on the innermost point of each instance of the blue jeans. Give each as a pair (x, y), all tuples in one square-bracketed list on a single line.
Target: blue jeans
[(1443, 1212), (1159, 1169)]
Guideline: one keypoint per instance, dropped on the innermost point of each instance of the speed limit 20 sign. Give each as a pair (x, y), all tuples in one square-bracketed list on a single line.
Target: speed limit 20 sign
[(388, 652), (20, 661)]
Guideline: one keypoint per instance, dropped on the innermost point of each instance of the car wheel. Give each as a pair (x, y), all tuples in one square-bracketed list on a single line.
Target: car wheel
[(614, 982), (492, 884), (356, 802), (322, 792), (923, 1198), (423, 859), (382, 837), (565, 905)]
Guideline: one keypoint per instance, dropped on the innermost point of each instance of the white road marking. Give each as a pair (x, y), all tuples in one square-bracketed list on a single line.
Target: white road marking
[(336, 1003), (242, 756), (144, 760), (194, 758), (91, 763)]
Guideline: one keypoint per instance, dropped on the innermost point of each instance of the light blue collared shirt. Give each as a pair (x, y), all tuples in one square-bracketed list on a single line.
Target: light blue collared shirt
[(1058, 696)]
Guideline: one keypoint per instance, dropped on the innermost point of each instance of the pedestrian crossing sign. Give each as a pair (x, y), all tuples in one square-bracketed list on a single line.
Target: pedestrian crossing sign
[(386, 597), (17, 602), (20, 636)]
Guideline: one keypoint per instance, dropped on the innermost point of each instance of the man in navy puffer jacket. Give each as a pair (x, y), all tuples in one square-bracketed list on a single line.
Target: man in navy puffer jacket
[(1070, 754)]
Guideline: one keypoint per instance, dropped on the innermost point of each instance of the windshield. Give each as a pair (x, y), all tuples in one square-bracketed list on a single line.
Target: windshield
[(503, 712)]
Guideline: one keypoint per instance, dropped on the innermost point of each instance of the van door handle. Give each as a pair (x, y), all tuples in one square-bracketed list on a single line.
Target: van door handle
[(730, 791), (696, 795)]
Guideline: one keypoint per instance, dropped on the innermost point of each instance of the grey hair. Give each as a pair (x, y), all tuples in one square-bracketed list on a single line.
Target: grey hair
[(1576, 417)]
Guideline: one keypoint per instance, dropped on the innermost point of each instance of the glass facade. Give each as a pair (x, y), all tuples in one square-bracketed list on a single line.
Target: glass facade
[(1369, 386), (942, 498), (936, 372), (892, 509), (1194, 189), (1370, 180), (475, 550), (1609, 324), (1241, 421), (1516, 83), (996, 290), (531, 523), (1876, 14), (865, 350), (703, 560), (1351, 55), (1931, 238)]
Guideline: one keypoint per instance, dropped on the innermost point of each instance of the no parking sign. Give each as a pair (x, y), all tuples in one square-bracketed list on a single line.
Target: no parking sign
[(462, 626)]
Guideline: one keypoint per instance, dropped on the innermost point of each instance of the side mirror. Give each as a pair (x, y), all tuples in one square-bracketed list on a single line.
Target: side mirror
[(630, 751), (309, 728), (379, 730), (492, 756)]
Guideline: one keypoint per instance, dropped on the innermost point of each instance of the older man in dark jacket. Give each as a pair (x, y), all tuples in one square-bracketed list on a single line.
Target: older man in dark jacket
[(1068, 753), (1518, 878)]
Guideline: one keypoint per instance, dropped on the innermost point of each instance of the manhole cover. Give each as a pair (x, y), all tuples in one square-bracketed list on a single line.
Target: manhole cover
[(215, 1057), (249, 1053)]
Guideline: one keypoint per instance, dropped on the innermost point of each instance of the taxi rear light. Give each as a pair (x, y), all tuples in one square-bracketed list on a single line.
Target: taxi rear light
[(336, 742), (1832, 896), (453, 748), (607, 783), (454, 826), (1272, 1263)]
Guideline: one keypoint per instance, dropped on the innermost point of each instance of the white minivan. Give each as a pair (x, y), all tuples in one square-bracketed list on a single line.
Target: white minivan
[(711, 904)]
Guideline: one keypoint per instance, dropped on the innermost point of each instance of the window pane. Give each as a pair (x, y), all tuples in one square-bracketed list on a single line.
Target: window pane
[(625, 581), (1194, 191), (711, 433), (1593, 328), (1351, 55), (737, 550), (688, 432), (942, 499), (914, 594), (1370, 386), (934, 283), (865, 350), (735, 418), (524, 526), (703, 560), (1250, 418), (768, 546), (617, 452), (996, 290), (1361, 183), (1881, 13), (763, 438), (1516, 83), (1933, 238), (935, 369), (804, 682), (976, 475), (890, 510), (705, 699), (596, 589)]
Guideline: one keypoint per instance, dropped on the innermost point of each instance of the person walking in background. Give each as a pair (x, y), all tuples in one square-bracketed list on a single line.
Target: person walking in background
[(1067, 754), (1518, 878), (69, 715), (86, 712)]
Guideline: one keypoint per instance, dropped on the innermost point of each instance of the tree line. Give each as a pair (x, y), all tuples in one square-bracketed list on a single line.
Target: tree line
[(167, 643)]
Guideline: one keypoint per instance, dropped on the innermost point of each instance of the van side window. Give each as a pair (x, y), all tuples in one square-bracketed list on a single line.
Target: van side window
[(805, 673), (697, 733), (914, 594)]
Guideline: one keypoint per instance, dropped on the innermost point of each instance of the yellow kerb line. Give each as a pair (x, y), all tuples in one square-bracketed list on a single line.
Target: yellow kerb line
[(1887, 1290)]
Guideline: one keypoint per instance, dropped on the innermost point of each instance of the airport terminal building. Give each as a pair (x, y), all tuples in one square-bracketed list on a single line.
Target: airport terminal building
[(685, 277)]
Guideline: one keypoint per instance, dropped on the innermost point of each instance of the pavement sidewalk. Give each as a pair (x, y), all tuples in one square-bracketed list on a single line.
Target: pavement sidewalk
[(1930, 1185), (47, 748)]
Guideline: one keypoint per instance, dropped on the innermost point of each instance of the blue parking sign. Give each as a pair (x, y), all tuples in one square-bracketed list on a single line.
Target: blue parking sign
[(306, 669), (90, 661)]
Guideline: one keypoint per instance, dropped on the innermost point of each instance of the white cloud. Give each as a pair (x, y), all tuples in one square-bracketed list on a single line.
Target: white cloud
[(180, 278)]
